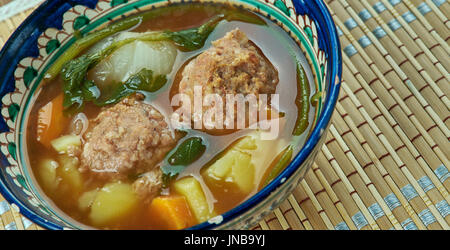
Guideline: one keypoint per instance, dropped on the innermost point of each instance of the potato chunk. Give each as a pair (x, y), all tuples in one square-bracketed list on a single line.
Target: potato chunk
[(71, 179), (65, 143), (86, 200), (191, 189), (247, 143), (235, 167), (113, 202), (242, 166), (48, 176), (243, 172)]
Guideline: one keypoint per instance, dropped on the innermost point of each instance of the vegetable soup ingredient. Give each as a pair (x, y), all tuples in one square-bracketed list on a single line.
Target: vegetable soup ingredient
[(144, 80), (247, 143), (170, 173), (129, 60), (191, 189), (195, 38), (90, 39), (71, 180), (86, 200), (48, 175), (171, 212), (240, 164), (66, 143), (234, 167), (302, 102), (188, 152), (113, 202), (51, 121), (279, 164)]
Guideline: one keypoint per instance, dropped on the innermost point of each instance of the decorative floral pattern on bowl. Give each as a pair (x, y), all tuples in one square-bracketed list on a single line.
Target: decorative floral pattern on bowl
[(299, 18)]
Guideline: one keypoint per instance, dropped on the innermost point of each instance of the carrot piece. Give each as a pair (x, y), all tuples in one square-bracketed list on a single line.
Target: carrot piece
[(51, 121), (171, 212)]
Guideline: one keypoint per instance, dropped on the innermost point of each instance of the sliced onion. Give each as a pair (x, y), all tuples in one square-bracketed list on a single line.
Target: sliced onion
[(79, 124)]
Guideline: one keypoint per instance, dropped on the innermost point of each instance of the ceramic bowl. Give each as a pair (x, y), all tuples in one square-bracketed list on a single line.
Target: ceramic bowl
[(49, 31)]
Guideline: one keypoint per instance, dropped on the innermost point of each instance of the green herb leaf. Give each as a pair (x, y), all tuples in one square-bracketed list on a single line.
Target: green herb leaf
[(195, 38), (188, 152), (90, 91), (141, 81), (170, 173), (144, 80)]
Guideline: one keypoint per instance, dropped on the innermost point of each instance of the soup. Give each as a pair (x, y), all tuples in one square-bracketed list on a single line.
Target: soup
[(176, 115)]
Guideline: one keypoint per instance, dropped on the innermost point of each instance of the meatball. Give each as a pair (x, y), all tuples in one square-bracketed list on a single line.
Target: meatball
[(128, 138), (148, 185), (233, 65)]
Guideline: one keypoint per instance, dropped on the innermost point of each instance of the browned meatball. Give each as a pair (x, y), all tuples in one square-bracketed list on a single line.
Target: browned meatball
[(233, 65), (148, 185), (130, 137)]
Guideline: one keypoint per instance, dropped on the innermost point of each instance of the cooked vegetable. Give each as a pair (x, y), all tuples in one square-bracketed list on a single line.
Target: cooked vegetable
[(113, 202), (188, 152), (243, 172), (222, 167), (128, 60), (302, 102), (195, 38), (279, 164), (94, 37), (191, 189), (47, 174), (65, 143), (86, 200), (234, 167), (51, 121), (247, 143), (63, 176), (142, 81), (71, 179), (170, 173), (171, 212)]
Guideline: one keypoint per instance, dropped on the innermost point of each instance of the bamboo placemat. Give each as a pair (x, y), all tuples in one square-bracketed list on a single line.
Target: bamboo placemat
[(385, 162)]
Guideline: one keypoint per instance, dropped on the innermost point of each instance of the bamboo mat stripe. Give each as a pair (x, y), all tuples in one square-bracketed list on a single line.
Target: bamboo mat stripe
[(385, 161)]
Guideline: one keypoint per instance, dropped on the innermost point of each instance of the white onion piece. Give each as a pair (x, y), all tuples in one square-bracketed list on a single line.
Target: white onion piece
[(131, 58), (82, 119)]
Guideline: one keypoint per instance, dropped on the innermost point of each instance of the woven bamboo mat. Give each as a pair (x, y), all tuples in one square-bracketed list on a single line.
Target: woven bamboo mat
[(385, 162)]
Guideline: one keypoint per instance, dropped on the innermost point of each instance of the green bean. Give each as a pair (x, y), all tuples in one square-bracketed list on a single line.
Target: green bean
[(280, 163), (302, 102), (188, 152)]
